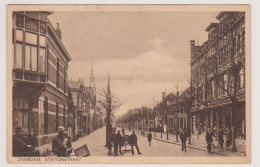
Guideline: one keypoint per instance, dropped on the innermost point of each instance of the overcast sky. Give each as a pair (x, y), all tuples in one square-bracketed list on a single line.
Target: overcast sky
[(145, 52)]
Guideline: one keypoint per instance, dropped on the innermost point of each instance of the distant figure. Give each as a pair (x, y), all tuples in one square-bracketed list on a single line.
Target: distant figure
[(31, 138), (221, 138), (209, 139), (123, 132), (133, 142), (228, 137), (149, 137), (183, 138), (58, 148), (19, 146)]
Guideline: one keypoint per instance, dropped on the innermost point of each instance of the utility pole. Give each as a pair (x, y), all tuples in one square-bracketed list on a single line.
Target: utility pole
[(166, 112), (154, 126)]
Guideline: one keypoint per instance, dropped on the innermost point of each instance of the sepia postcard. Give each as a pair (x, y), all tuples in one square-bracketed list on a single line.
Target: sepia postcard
[(128, 84)]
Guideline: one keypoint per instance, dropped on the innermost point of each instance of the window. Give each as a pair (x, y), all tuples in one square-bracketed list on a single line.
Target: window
[(57, 116), (65, 74), (42, 60), (19, 21), (46, 115), (42, 28), (30, 58), (42, 41), (225, 83), (57, 73), (31, 38), (241, 83), (18, 57), (19, 35), (31, 24), (238, 44), (212, 88), (243, 41)]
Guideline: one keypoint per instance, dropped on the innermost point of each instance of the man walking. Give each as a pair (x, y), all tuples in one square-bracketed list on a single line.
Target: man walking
[(133, 142), (115, 142), (149, 136), (183, 138), (119, 139), (209, 139), (58, 148)]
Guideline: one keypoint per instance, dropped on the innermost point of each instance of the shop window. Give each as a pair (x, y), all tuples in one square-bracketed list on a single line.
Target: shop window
[(18, 59), (31, 24), (42, 60), (19, 21), (30, 58)]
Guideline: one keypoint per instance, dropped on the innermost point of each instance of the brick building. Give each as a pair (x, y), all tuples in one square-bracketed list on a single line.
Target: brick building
[(40, 72), (218, 76)]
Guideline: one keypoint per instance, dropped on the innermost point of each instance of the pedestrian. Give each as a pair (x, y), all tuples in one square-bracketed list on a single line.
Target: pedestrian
[(69, 146), (119, 140), (149, 137), (58, 148), (20, 147), (133, 142), (115, 142), (221, 138), (123, 132), (183, 138), (209, 139), (31, 138), (228, 136)]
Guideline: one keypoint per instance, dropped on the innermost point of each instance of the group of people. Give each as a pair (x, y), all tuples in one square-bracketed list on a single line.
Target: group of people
[(118, 140), (24, 145), (223, 137)]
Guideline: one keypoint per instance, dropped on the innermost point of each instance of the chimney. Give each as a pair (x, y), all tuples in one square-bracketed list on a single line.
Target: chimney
[(58, 31), (163, 95)]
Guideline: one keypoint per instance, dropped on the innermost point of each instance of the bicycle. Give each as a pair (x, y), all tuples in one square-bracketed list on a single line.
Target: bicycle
[(216, 146)]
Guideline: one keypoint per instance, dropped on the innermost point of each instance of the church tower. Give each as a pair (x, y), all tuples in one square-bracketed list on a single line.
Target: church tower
[(92, 77)]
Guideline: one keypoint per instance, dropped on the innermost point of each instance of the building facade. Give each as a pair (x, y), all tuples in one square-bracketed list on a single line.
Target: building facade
[(218, 76), (40, 74)]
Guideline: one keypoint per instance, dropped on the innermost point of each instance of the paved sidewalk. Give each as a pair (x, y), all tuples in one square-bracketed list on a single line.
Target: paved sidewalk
[(199, 143)]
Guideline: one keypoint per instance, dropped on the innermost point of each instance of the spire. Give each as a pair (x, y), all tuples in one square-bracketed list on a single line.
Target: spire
[(92, 77)]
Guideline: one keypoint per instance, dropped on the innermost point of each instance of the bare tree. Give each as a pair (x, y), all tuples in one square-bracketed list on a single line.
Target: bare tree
[(109, 103)]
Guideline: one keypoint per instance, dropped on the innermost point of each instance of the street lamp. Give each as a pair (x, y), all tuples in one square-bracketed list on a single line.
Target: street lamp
[(167, 127)]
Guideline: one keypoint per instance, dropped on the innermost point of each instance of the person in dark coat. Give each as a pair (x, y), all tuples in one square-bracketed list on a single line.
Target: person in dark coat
[(119, 139), (58, 148), (133, 142), (31, 138), (149, 137), (221, 138), (209, 139), (69, 146), (115, 142), (20, 147), (183, 138)]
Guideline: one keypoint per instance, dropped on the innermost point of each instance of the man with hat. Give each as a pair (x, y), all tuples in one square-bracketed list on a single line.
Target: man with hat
[(20, 148), (58, 148), (31, 138), (133, 142)]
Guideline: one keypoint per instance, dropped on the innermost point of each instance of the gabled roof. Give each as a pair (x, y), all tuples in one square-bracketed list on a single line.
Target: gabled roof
[(212, 25), (74, 84)]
